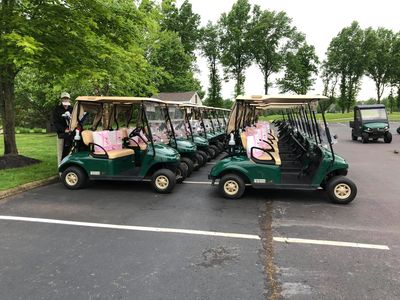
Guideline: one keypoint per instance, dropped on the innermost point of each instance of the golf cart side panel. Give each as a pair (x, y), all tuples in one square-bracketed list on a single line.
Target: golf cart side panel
[(327, 166), (163, 154), (246, 167), (99, 166)]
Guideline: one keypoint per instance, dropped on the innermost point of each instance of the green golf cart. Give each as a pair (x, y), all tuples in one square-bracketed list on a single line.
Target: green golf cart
[(370, 122), (105, 151), (193, 129), (175, 118), (298, 156)]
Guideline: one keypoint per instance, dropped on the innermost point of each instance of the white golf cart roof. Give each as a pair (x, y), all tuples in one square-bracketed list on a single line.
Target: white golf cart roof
[(116, 99), (276, 99)]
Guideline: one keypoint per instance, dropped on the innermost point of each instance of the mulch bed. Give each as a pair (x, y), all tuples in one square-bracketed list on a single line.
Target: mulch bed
[(16, 161)]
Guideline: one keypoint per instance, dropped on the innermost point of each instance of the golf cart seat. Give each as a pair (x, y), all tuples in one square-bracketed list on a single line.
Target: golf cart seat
[(88, 140)]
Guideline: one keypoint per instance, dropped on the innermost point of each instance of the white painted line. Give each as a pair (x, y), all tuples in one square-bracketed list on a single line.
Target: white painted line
[(133, 228), (191, 232), (197, 182), (330, 243)]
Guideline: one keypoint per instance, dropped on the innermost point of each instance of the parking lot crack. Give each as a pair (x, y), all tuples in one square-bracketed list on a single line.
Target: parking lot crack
[(273, 286)]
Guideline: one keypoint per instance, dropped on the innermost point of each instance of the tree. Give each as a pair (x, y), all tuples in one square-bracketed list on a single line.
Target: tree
[(270, 34), (35, 33), (92, 44), (235, 43), (184, 22), (174, 65), (210, 49), (300, 65), (347, 58), (329, 80), (378, 45)]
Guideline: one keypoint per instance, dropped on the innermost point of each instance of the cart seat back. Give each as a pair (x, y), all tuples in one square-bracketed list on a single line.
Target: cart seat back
[(100, 149)]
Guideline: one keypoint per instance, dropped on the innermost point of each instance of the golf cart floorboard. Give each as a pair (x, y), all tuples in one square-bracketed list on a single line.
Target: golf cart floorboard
[(293, 178), (117, 178)]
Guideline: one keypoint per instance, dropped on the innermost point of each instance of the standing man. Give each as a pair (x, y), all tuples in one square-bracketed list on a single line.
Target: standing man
[(61, 118)]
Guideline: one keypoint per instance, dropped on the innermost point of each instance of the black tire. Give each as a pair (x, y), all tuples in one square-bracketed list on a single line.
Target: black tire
[(216, 150), (353, 137), (163, 181), (231, 186), (387, 137), (198, 161), (211, 153), (189, 164), (74, 178), (398, 130), (204, 155), (375, 139), (220, 146), (341, 190), (181, 172), (365, 137)]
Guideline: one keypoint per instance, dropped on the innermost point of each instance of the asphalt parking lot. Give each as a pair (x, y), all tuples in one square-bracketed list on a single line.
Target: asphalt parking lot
[(122, 241)]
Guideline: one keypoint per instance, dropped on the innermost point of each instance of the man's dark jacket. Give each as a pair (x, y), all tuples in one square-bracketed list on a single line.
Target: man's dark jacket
[(60, 123)]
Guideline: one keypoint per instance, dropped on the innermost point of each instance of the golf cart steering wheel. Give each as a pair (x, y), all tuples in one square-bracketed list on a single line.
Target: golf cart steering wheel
[(135, 132)]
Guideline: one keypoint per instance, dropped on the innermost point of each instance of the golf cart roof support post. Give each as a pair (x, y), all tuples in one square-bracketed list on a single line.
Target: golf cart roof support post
[(317, 127), (303, 129), (310, 122), (238, 104), (143, 112), (314, 126), (307, 121), (328, 135), (167, 119), (188, 122), (200, 114)]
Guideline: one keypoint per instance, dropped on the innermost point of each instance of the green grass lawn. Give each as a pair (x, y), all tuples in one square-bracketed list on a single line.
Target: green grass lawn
[(39, 146), (335, 117)]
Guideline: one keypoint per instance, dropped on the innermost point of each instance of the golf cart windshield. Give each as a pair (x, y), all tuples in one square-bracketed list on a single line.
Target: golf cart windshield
[(373, 114), (178, 121), (207, 122), (195, 121), (156, 118)]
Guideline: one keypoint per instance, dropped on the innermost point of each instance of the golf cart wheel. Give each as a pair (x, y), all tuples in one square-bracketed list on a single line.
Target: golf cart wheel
[(198, 161), (210, 153), (231, 186), (364, 137), (353, 137), (220, 146), (398, 130), (204, 155), (341, 190), (181, 172), (163, 181), (216, 150), (190, 165), (387, 137), (74, 178)]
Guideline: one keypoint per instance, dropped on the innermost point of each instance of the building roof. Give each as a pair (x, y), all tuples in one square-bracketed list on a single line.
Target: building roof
[(179, 96)]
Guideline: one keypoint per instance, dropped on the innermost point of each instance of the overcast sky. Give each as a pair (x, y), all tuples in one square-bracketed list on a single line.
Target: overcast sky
[(320, 20)]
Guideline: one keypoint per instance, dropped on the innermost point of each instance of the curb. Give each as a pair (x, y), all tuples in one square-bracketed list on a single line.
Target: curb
[(27, 186)]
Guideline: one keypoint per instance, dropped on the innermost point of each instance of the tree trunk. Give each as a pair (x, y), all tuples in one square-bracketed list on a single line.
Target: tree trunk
[(266, 83), (7, 99)]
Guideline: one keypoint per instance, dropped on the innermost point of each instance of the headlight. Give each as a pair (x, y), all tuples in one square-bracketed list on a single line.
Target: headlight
[(387, 127)]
